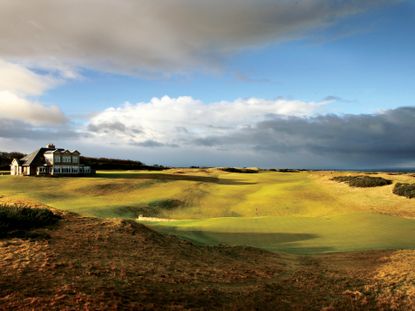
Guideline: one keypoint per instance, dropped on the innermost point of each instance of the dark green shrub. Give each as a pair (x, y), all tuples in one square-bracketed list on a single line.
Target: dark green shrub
[(286, 170), (20, 218), (239, 170), (405, 190), (363, 181), (7, 157), (118, 164)]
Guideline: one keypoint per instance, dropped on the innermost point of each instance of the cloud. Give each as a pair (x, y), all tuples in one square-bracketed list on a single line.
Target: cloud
[(20, 80), (108, 127), (245, 132), (367, 140), (13, 107), (18, 131), (172, 121), (152, 36), (264, 133), (17, 84), (149, 143)]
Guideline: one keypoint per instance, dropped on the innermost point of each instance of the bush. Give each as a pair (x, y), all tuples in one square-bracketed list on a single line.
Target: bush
[(239, 170), (17, 219), (363, 181), (7, 157), (117, 164), (405, 190)]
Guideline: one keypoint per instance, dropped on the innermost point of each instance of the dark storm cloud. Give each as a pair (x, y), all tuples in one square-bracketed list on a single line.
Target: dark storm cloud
[(140, 36), (368, 140)]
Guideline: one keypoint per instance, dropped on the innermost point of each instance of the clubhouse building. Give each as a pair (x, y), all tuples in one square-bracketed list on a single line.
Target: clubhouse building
[(50, 161)]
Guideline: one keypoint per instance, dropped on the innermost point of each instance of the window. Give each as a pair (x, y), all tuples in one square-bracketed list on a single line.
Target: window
[(57, 158), (75, 159)]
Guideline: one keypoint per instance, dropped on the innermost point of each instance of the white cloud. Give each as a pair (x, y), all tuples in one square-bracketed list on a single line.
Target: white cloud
[(175, 121), (17, 85), (244, 134), (132, 36), (20, 80), (13, 107)]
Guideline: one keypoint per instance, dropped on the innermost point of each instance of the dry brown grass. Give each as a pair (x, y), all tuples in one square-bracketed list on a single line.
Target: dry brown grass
[(97, 264), (394, 281)]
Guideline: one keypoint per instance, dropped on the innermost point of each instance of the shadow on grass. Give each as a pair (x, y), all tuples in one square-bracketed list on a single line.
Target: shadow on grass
[(149, 209), (277, 242), (18, 221), (174, 177)]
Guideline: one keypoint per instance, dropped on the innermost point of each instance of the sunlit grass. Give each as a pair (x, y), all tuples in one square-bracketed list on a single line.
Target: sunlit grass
[(223, 207), (211, 193), (351, 232)]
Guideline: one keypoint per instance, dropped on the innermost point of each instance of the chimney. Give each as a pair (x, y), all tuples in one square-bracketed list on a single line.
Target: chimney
[(50, 146)]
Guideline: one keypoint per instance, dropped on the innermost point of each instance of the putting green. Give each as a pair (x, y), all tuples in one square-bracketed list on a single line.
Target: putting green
[(351, 232)]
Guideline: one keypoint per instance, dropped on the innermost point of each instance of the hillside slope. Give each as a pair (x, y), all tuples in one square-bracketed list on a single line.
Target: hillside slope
[(97, 264)]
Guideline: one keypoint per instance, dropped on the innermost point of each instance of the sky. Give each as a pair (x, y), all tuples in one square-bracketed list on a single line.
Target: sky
[(256, 83)]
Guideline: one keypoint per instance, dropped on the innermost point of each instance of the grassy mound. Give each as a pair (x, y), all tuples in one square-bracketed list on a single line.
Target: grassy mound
[(363, 181), (405, 190), (121, 265), (16, 220)]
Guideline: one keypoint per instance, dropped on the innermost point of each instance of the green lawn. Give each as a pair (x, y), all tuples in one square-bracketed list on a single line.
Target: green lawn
[(296, 212), (350, 232)]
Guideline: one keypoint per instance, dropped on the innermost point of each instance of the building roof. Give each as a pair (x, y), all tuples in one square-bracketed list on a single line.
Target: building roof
[(37, 157), (54, 150), (34, 158)]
